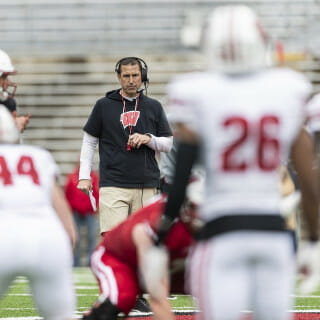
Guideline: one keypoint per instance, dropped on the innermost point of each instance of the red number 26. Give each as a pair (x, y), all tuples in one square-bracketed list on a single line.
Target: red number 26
[(267, 145)]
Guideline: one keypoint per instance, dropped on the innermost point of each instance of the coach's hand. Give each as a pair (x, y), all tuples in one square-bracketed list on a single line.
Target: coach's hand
[(85, 186), (137, 139)]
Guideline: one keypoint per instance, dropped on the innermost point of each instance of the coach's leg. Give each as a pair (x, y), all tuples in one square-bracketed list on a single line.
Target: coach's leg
[(114, 206), (142, 197)]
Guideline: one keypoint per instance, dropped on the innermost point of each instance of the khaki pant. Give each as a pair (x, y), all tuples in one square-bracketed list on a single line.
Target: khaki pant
[(116, 204)]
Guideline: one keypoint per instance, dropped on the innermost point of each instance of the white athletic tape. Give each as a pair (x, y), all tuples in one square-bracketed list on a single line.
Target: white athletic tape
[(289, 204)]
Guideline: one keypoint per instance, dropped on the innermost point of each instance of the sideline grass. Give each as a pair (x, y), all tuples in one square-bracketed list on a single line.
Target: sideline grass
[(18, 302)]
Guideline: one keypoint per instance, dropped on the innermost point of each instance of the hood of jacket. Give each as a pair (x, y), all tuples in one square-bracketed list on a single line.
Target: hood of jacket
[(115, 95)]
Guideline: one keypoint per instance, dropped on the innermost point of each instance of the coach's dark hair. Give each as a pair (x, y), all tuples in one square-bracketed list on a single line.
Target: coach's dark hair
[(134, 60)]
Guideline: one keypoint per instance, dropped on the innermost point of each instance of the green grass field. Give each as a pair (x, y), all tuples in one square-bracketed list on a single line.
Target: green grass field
[(18, 303)]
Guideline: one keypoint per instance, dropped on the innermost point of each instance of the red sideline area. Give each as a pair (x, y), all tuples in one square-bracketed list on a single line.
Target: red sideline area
[(307, 316), (180, 316), (191, 316)]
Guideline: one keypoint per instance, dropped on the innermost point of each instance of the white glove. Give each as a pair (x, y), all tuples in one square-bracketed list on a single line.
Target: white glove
[(309, 266), (154, 269), (289, 204)]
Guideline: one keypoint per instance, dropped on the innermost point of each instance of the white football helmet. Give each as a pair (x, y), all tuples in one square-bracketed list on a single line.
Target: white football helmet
[(234, 41), (9, 132), (7, 88)]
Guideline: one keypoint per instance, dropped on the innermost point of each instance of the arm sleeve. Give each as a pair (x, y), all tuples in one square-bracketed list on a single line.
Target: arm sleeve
[(161, 144), (186, 157), (89, 144)]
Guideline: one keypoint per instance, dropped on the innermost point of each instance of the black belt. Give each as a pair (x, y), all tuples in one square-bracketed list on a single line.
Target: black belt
[(261, 222)]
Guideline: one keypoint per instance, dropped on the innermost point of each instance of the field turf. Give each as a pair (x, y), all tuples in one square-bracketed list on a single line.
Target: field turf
[(18, 302)]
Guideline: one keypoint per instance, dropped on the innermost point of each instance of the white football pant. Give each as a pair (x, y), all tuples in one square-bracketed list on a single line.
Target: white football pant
[(240, 271), (40, 250)]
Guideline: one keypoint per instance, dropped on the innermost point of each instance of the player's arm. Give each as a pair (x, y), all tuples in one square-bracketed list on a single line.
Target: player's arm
[(308, 250), (64, 213), (302, 155), (153, 267), (187, 153)]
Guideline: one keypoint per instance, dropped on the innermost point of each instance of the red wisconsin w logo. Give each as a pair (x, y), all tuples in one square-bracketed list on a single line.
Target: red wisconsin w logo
[(129, 118)]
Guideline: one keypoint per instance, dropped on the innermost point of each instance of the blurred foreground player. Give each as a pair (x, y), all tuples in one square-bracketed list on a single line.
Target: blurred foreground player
[(243, 118), (126, 262), (8, 90), (36, 227)]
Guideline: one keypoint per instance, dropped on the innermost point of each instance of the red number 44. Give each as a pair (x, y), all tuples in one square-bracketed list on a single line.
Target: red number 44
[(25, 167), (267, 156)]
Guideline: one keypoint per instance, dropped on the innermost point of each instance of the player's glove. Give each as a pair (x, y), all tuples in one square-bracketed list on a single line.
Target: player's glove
[(154, 271), (309, 266), (163, 229)]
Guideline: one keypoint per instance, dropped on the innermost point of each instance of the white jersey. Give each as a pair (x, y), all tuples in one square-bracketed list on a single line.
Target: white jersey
[(246, 125), (33, 241), (313, 113), (27, 176)]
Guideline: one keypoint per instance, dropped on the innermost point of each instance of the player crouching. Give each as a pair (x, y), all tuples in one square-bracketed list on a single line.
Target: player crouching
[(126, 263)]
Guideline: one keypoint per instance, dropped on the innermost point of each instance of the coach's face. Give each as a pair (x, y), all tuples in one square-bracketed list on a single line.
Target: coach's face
[(130, 80)]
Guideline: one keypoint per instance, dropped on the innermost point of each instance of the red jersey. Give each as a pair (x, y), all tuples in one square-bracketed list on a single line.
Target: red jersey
[(119, 243), (77, 200)]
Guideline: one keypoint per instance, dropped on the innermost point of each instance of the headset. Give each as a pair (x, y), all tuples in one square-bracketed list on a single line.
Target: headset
[(143, 69)]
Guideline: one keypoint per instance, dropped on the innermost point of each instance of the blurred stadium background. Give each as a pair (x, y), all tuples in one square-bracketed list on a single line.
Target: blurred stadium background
[(65, 52)]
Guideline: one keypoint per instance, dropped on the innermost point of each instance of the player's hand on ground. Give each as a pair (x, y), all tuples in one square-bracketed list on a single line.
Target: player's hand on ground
[(85, 186), (137, 139), (309, 266)]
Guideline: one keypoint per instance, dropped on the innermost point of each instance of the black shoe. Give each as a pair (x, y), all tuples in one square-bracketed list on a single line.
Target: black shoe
[(141, 305), (102, 311)]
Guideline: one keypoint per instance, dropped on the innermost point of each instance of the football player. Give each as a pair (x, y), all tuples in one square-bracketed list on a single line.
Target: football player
[(8, 90), (244, 118), (36, 227), (126, 261)]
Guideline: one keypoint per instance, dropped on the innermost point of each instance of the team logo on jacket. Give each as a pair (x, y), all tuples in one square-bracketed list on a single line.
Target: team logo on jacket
[(129, 118)]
